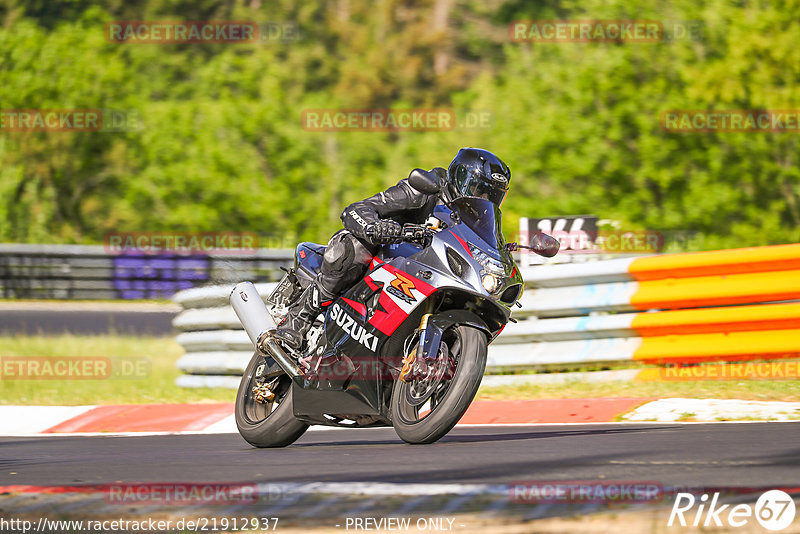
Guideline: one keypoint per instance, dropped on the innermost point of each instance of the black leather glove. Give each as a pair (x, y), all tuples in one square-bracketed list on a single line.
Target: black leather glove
[(414, 232), (384, 232)]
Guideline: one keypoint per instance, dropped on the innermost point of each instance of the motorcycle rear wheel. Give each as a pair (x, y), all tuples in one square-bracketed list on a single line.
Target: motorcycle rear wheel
[(271, 424), (468, 346)]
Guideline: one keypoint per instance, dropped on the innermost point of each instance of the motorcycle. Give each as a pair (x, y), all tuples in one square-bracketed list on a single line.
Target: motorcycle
[(404, 347)]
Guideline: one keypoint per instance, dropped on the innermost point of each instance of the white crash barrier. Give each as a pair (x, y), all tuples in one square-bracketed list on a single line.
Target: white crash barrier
[(218, 349), (723, 305), (566, 274)]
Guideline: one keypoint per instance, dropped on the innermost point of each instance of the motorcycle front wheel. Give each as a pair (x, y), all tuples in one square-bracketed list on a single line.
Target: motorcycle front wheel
[(266, 424), (427, 408)]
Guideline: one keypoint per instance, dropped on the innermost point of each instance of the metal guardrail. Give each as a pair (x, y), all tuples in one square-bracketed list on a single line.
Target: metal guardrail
[(679, 308), (91, 272)]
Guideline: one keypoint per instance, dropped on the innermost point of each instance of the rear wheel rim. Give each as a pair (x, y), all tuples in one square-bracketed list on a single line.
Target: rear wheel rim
[(255, 412)]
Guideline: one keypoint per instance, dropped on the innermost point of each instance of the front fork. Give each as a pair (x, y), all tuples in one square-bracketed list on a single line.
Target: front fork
[(426, 350)]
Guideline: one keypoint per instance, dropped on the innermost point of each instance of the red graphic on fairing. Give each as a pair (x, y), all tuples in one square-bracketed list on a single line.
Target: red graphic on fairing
[(412, 290), (463, 243)]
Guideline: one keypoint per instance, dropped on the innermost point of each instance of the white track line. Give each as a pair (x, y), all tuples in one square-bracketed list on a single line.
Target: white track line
[(31, 420), (322, 428)]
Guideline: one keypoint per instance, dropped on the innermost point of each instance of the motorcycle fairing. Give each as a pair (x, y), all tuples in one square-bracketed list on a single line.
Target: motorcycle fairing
[(400, 295), (308, 258), (359, 322), (399, 250)]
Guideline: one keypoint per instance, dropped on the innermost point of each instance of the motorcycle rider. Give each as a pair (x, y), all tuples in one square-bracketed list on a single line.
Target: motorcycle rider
[(378, 220)]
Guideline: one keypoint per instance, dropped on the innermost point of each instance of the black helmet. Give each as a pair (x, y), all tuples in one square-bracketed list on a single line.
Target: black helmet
[(475, 172)]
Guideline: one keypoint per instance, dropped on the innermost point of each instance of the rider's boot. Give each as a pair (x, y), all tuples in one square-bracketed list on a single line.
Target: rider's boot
[(292, 331)]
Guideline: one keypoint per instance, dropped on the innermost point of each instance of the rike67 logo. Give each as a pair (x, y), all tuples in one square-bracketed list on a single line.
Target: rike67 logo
[(774, 510)]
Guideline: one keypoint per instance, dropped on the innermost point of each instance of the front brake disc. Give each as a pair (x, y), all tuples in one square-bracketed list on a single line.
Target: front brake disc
[(426, 381)]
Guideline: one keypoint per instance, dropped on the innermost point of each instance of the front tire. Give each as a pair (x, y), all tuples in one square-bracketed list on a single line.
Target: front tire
[(468, 346), (266, 425)]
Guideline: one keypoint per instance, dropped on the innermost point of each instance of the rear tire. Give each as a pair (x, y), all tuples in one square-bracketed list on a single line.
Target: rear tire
[(278, 427), (470, 365)]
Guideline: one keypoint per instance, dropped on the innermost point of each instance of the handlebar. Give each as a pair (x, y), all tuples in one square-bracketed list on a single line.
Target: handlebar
[(417, 233)]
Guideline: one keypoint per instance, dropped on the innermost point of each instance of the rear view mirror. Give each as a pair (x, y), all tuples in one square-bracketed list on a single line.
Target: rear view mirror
[(541, 243), (424, 181), (544, 245)]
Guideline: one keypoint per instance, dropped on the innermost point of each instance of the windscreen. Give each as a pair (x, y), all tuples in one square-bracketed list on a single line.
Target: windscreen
[(483, 217)]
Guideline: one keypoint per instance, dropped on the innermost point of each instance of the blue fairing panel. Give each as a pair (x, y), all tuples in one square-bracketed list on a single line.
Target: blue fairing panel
[(309, 256), (442, 213), (399, 250)]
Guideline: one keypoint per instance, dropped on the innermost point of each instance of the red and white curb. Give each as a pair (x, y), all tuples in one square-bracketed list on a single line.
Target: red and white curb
[(217, 418), (136, 419)]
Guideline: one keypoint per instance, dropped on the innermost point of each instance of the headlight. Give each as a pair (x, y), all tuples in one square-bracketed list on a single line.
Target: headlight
[(490, 282), (489, 264)]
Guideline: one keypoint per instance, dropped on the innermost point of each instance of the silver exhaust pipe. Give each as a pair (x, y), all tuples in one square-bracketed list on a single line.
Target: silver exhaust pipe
[(274, 349), (259, 325)]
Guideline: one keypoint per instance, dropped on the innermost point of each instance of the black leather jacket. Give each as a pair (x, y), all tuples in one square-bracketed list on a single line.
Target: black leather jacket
[(400, 203)]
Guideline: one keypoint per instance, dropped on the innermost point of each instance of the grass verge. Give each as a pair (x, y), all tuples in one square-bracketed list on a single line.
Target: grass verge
[(151, 372)]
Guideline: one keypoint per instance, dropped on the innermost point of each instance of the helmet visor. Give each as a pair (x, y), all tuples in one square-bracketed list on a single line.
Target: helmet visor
[(478, 187)]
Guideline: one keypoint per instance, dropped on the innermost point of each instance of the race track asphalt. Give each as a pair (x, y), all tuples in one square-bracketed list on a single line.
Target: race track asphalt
[(333, 476), (735, 454)]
